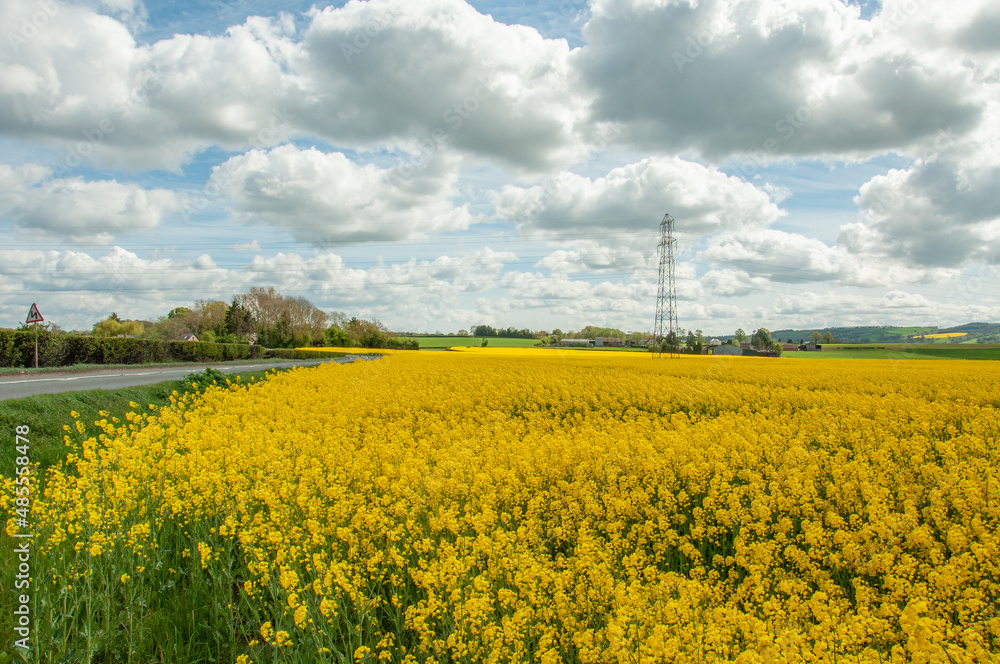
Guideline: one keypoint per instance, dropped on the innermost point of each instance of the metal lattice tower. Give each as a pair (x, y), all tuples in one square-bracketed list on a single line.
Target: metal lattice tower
[(666, 295)]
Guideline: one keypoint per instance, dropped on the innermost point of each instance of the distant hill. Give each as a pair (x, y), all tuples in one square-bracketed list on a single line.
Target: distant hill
[(968, 333)]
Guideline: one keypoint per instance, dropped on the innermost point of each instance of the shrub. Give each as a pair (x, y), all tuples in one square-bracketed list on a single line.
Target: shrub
[(17, 349)]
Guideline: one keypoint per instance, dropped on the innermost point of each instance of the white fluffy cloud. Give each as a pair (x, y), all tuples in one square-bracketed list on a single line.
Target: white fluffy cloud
[(328, 275), (802, 77), (83, 85), (634, 198), (77, 210), (446, 73), (76, 289), (424, 294), (776, 256), (324, 197), (942, 211)]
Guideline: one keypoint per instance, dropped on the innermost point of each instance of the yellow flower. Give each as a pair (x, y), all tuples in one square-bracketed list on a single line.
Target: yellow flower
[(300, 617), (624, 509)]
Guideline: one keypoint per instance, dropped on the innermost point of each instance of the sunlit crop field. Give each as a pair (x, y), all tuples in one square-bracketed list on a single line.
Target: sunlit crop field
[(525, 505)]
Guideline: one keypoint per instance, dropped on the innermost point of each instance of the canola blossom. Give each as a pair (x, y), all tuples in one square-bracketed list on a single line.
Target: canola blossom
[(527, 505)]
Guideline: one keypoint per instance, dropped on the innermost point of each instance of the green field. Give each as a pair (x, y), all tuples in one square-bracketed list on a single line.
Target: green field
[(904, 351), (439, 343)]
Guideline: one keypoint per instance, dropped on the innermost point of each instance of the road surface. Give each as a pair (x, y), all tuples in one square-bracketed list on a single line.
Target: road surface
[(15, 387)]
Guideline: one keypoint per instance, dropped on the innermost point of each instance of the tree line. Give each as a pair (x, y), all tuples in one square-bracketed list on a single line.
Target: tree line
[(260, 316)]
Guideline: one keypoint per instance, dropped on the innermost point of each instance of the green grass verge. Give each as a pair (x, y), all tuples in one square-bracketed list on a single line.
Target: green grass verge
[(84, 368)]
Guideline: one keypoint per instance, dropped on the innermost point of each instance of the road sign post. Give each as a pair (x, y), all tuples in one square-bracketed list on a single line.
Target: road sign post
[(35, 316)]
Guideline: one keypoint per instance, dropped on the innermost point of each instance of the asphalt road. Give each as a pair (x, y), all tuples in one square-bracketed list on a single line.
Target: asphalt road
[(16, 387)]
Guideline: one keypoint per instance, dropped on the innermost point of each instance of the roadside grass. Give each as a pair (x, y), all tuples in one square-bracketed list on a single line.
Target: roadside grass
[(46, 415), (83, 368)]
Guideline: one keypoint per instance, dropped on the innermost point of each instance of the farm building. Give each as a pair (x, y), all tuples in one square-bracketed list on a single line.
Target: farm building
[(715, 342), (726, 349), (608, 341), (575, 342)]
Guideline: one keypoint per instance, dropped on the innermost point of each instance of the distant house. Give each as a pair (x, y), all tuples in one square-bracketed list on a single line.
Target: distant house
[(715, 342), (726, 349), (608, 341), (189, 337)]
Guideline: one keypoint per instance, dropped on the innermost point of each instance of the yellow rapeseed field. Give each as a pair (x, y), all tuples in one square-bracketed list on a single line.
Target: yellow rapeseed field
[(509, 505)]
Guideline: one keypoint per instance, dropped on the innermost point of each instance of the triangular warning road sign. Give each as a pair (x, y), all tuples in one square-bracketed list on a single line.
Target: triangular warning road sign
[(33, 314)]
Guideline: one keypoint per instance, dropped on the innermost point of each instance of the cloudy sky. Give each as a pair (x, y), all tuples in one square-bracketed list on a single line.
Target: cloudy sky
[(441, 163)]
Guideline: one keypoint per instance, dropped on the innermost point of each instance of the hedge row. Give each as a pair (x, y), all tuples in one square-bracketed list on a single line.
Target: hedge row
[(17, 349), (298, 354)]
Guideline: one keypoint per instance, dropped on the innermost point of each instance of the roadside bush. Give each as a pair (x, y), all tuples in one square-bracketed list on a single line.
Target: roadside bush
[(17, 349), (200, 381), (295, 354)]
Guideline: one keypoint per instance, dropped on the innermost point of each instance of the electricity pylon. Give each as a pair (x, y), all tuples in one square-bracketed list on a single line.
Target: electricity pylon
[(666, 294)]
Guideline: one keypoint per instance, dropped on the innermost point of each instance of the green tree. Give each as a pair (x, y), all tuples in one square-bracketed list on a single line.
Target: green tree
[(740, 335), (815, 336), (208, 316), (828, 337), (112, 326), (336, 337), (238, 321), (761, 339)]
